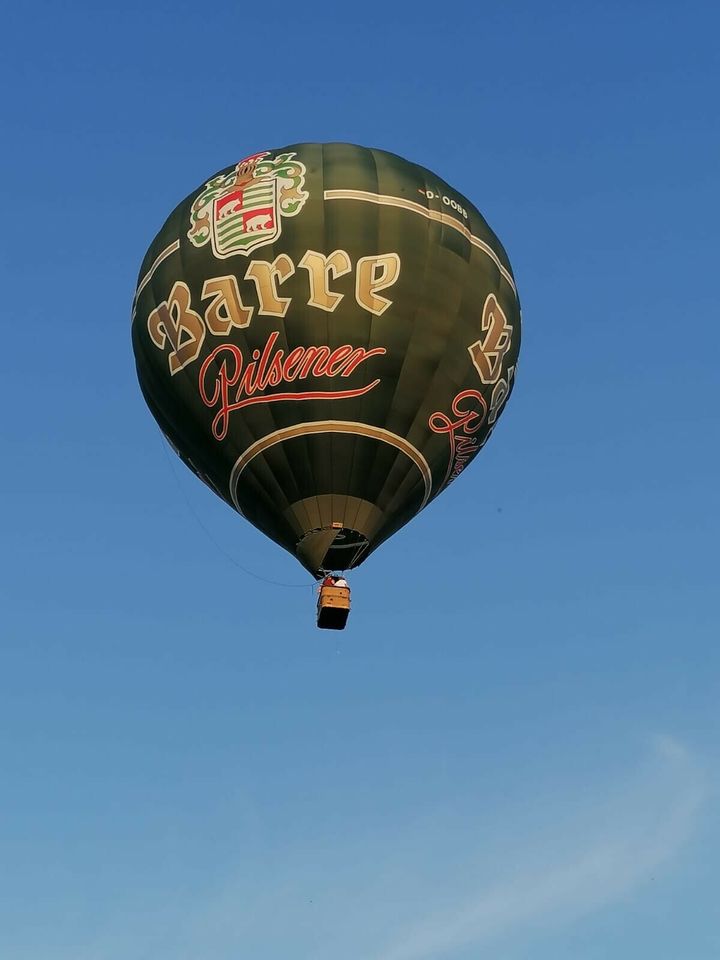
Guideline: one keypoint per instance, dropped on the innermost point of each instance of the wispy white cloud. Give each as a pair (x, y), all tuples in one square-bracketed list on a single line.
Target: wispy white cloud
[(648, 826), (574, 857)]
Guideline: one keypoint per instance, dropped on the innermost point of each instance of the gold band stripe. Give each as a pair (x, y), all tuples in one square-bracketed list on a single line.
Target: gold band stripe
[(436, 215), (331, 426), (149, 275)]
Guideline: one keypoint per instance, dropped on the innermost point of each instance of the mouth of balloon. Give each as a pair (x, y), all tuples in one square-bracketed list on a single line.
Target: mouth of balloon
[(346, 550), (332, 548)]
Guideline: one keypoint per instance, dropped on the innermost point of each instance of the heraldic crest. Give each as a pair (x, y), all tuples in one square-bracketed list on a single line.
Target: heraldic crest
[(242, 210)]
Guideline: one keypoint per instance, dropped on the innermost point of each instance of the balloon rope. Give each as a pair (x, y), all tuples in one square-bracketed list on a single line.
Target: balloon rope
[(218, 546)]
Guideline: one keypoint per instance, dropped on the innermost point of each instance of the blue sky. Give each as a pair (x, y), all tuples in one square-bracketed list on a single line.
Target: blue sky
[(512, 751)]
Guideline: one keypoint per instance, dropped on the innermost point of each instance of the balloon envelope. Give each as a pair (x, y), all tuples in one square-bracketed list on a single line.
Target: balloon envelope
[(327, 335)]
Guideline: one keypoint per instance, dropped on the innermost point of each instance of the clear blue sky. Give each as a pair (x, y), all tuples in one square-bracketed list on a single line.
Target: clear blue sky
[(512, 751)]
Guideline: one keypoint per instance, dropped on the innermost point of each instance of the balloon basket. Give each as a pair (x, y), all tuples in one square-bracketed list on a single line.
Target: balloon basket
[(333, 608)]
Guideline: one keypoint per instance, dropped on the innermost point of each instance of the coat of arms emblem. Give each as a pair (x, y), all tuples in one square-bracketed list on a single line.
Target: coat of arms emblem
[(243, 210)]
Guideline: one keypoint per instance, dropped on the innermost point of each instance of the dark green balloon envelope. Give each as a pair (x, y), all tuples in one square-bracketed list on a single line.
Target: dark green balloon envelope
[(327, 335)]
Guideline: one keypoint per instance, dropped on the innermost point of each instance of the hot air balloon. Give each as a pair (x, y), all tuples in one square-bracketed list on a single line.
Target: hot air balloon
[(327, 335)]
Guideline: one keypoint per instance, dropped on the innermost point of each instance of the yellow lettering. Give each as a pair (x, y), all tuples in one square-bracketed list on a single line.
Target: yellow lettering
[(266, 277), (319, 267), (173, 320), (373, 274), (487, 354), (227, 309)]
